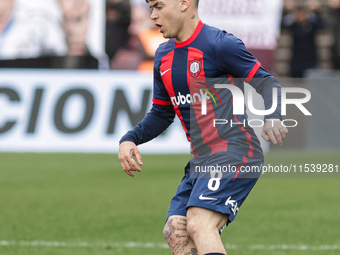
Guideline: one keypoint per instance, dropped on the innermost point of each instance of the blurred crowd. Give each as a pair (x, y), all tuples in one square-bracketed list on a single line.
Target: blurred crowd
[(305, 21), (138, 39), (131, 39), (135, 47), (29, 32)]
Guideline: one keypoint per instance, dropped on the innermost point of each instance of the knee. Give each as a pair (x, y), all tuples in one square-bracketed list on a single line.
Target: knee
[(202, 222), (198, 228), (193, 227)]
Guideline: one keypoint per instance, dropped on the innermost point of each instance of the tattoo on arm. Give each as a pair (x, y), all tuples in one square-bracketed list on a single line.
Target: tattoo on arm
[(131, 150)]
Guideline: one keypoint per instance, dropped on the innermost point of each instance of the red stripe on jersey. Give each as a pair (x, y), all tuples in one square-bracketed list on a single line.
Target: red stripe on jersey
[(161, 102), (245, 161), (253, 71), (166, 64), (231, 79), (249, 139), (209, 133), (219, 146), (192, 37)]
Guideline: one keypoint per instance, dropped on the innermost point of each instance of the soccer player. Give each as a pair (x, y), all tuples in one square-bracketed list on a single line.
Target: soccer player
[(206, 202)]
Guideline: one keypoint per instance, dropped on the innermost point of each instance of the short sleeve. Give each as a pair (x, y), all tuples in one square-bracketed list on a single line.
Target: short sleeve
[(233, 57)]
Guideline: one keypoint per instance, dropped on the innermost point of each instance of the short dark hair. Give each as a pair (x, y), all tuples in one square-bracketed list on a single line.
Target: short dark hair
[(197, 1)]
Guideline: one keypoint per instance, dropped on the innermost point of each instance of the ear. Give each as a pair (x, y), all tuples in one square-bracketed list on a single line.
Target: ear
[(185, 4)]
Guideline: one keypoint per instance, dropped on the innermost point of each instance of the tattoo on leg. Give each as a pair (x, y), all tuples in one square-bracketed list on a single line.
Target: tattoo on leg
[(170, 224), (178, 241), (192, 252), (168, 231), (182, 223)]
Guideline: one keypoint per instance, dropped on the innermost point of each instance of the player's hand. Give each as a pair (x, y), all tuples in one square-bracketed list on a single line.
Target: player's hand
[(128, 150), (274, 131)]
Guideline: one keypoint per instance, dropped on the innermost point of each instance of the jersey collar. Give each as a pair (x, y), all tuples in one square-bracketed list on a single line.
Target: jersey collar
[(192, 37)]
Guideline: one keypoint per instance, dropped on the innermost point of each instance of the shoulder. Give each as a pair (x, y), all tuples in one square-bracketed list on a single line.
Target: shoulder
[(229, 43), (221, 40), (218, 35), (163, 49)]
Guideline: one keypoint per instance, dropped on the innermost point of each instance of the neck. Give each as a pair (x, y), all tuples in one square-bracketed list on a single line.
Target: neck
[(188, 27)]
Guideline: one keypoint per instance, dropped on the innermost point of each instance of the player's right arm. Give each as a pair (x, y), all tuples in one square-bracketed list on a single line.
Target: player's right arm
[(155, 122)]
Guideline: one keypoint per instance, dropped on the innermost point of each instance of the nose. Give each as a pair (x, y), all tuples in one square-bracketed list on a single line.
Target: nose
[(153, 15)]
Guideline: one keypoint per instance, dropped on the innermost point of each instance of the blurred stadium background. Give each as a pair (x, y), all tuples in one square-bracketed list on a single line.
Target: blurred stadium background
[(76, 75)]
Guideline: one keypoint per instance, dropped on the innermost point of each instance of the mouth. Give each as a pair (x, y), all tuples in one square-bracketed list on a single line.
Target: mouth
[(159, 27)]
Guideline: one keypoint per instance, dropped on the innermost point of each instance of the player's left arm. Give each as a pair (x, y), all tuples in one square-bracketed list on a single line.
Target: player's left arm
[(233, 58), (273, 129)]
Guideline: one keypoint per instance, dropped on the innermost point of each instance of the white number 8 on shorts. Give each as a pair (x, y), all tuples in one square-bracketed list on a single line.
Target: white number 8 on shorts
[(215, 181)]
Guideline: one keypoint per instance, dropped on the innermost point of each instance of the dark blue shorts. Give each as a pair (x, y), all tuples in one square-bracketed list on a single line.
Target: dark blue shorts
[(219, 182)]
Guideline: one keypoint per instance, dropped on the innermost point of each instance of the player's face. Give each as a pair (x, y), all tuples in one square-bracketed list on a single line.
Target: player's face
[(167, 16)]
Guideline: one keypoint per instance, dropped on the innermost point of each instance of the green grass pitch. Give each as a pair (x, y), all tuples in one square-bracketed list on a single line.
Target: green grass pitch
[(81, 204)]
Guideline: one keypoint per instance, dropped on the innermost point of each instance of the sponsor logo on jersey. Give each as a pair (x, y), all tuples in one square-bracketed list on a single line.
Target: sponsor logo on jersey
[(203, 95), (188, 99)]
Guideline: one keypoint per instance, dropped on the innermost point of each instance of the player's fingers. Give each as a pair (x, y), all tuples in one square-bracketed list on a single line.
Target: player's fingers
[(283, 131), (125, 165), (133, 164), (271, 135), (138, 156), (265, 136), (127, 168), (129, 173), (122, 162), (277, 136)]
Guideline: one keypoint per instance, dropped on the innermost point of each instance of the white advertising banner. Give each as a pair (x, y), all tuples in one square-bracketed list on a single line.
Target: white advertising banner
[(255, 22), (81, 111), (77, 111)]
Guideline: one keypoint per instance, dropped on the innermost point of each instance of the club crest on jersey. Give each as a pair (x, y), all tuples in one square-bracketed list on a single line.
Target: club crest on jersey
[(195, 67)]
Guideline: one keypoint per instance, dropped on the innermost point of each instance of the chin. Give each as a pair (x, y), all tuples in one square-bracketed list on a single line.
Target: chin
[(167, 36)]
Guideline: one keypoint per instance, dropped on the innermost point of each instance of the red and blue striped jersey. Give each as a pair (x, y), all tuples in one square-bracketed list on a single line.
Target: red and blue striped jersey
[(208, 53)]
